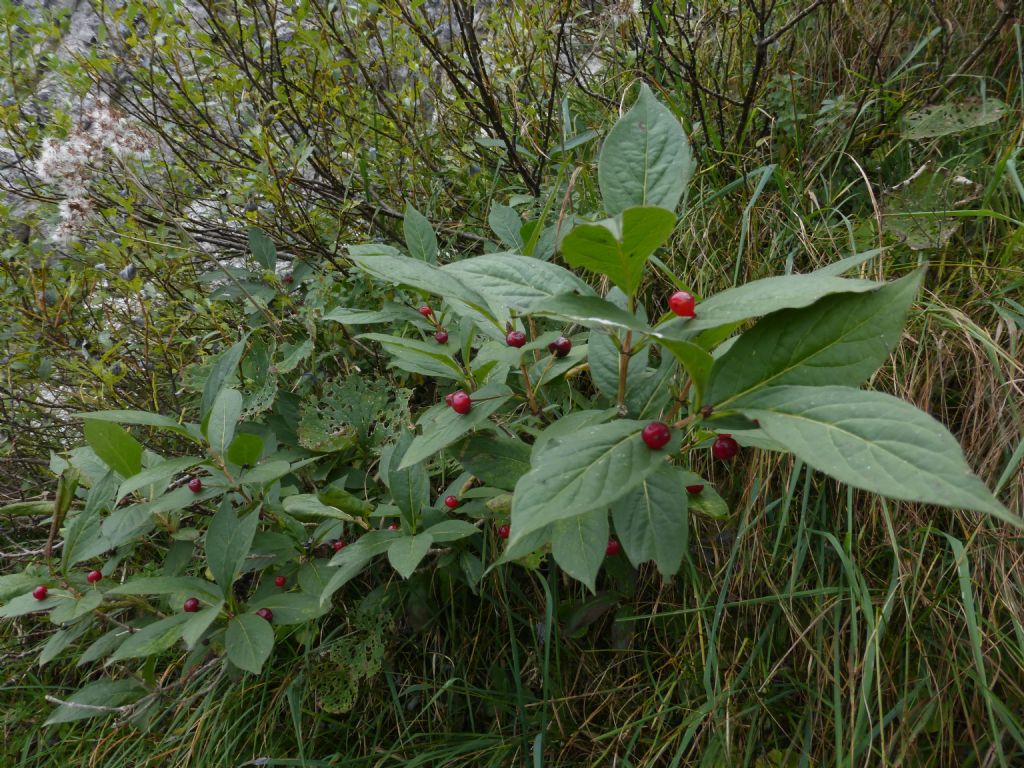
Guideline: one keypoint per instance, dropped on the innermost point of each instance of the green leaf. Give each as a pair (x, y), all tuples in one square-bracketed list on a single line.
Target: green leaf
[(103, 646), (589, 311), (23, 605), (338, 497), (293, 354), (84, 528), (228, 541), (497, 460), (648, 396), (696, 361), (442, 426), (587, 469), (506, 224), (169, 585), (77, 607), (578, 544), (248, 642), (114, 446), (652, 521), (841, 339), (152, 638), (410, 486), (567, 426), (196, 627), (428, 359), (291, 607), (872, 441), (61, 639), (245, 449), (645, 159), (387, 264), (619, 247), (223, 369), (154, 479), (841, 267), (952, 117), (262, 248), (95, 699), (420, 238), (451, 530), (220, 429), (708, 502), (125, 523), (347, 316), (351, 561), (309, 505), (15, 584), (141, 418), (759, 298), (509, 280), (405, 553), (267, 472)]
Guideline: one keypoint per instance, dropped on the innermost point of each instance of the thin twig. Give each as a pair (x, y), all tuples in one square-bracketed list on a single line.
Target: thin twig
[(764, 41)]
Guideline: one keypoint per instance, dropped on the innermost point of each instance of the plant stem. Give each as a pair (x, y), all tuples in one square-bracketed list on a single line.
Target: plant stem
[(624, 367), (534, 409)]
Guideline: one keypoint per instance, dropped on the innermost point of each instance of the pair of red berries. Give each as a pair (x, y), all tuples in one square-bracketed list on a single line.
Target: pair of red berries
[(441, 336), (459, 402), (192, 605), (40, 592)]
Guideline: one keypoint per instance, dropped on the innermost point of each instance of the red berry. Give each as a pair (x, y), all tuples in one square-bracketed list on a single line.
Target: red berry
[(426, 311), (40, 592), (515, 338), (265, 613), (191, 605), (461, 402), (694, 488), (724, 448), (93, 576), (560, 347), (656, 435), (613, 548), (338, 544), (280, 581), (393, 527), (681, 303), (441, 337), (288, 278), (195, 485), (451, 502), (503, 531)]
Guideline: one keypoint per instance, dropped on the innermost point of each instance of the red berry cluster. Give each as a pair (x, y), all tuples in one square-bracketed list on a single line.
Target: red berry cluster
[(440, 334)]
